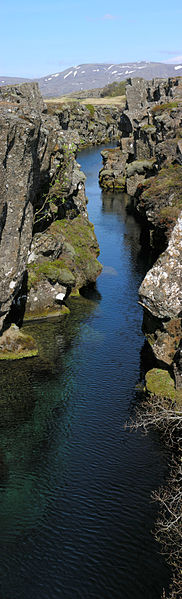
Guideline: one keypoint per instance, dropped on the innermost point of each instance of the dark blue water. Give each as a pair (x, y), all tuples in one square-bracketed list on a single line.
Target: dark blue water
[(75, 486)]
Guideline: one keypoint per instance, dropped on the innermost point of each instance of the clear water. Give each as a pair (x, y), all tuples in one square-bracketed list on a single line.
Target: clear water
[(75, 486)]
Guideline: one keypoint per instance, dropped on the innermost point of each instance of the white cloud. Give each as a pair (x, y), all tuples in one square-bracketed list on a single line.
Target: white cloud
[(108, 17)]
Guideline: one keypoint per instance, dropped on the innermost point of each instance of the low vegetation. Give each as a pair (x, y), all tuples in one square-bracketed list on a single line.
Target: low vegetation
[(160, 108), (165, 415), (165, 190), (91, 109), (114, 89)]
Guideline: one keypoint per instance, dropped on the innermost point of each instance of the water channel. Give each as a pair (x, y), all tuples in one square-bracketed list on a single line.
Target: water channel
[(75, 487)]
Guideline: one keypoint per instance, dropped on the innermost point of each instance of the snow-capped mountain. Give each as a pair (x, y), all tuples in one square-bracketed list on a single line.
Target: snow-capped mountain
[(90, 76)]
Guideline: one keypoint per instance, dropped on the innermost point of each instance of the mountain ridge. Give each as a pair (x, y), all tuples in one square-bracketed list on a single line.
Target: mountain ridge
[(96, 75)]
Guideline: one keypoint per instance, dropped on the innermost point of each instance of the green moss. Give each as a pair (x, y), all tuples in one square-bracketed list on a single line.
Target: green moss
[(170, 212), (57, 270), (159, 382), (16, 345), (78, 232), (77, 264), (160, 108), (119, 183), (47, 313), (74, 293), (140, 166), (166, 185), (32, 278), (18, 356), (151, 339), (65, 310), (91, 109), (148, 128)]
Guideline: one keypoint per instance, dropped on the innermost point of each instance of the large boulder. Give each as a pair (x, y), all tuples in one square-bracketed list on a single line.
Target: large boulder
[(71, 264)]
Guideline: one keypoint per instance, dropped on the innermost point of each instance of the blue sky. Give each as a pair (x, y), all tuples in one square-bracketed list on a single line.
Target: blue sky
[(46, 36)]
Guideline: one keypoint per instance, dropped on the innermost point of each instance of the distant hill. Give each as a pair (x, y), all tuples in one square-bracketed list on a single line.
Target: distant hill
[(89, 76), (12, 80)]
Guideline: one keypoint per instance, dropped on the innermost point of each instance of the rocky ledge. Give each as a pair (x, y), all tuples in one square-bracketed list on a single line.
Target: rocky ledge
[(42, 215)]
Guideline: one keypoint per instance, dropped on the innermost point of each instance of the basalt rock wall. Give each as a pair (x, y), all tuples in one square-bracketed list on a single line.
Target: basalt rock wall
[(41, 187), (151, 128), (94, 124), (148, 165)]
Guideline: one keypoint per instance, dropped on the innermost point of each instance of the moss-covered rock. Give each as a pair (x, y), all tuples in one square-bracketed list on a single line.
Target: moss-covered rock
[(91, 109), (161, 199), (50, 280), (141, 167), (55, 271), (15, 345), (159, 382), (80, 249), (47, 313), (168, 106), (111, 176)]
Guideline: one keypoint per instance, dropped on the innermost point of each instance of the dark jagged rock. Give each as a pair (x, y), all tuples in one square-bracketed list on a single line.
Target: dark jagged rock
[(18, 176), (94, 124), (111, 175), (151, 128), (40, 182)]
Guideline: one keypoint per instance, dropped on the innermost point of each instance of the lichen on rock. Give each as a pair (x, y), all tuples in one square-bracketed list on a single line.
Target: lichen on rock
[(161, 290)]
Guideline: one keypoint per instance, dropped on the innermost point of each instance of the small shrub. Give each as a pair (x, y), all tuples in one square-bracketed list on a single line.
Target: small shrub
[(114, 89)]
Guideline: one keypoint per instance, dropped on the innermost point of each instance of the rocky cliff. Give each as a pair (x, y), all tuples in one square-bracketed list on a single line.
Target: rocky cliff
[(148, 165), (151, 133), (94, 124), (42, 214)]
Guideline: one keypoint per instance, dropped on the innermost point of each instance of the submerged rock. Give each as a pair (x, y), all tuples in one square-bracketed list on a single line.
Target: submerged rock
[(15, 345)]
